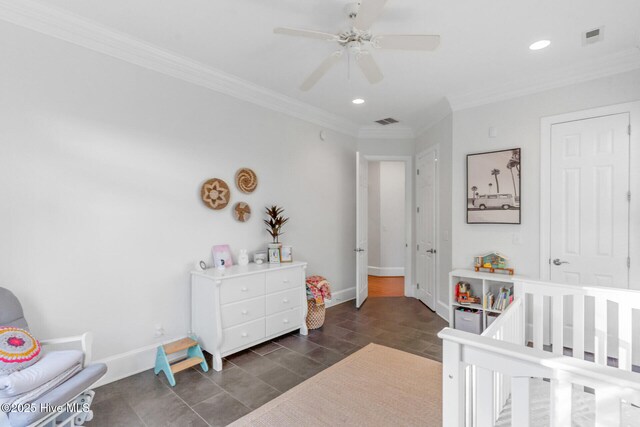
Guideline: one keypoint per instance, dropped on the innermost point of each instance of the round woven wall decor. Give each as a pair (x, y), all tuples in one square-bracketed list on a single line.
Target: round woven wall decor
[(246, 180), (241, 212), (215, 194)]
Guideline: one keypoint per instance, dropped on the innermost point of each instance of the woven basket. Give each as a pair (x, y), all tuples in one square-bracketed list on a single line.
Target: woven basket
[(315, 315)]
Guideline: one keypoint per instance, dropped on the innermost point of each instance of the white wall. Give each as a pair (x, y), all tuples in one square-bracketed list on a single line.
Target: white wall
[(392, 204), (386, 218), (101, 164), (441, 134), (517, 122)]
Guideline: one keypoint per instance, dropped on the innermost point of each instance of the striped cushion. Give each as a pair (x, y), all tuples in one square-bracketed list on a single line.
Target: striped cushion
[(18, 350)]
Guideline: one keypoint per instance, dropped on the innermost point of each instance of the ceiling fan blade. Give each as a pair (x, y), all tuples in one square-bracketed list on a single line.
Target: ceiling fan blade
[(368, 12), (406, 42), (369, 67), (305, 33), (317, 74)]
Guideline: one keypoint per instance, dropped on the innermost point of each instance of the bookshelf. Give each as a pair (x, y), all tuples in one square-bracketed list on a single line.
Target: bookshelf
[(481, 283)]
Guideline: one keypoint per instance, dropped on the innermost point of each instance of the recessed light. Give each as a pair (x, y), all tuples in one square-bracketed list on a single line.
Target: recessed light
[(540, 44), (358, 101)]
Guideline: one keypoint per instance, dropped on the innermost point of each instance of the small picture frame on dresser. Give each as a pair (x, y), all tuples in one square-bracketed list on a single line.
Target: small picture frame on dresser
[(221, 256), (274, 255), (286, 254)]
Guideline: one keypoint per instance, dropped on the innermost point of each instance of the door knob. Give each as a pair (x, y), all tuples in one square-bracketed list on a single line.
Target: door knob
[(558, 262), (431, 251)]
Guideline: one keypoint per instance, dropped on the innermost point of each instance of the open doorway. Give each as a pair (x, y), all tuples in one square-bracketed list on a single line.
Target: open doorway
[(386, 228)]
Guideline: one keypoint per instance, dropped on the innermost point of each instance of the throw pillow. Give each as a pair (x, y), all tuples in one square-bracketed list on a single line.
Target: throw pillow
[(18, 350)]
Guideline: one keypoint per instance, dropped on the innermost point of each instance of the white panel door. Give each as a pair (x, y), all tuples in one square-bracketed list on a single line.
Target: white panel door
[(589, 203), (426, 204), (362, 216)]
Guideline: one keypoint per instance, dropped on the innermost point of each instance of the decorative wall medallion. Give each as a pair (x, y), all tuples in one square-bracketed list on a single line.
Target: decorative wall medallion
[(215, 193), (242, 211), (246, 180)]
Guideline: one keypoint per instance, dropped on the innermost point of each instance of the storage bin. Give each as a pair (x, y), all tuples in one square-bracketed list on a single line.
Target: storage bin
[(468, 320), (491, 317)]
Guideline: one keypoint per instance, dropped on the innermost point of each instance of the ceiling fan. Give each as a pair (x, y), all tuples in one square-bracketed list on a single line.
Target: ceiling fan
[(359, 39)]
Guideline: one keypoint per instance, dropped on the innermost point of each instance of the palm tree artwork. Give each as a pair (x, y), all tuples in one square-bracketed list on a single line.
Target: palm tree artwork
[(495, 174), (474, 193), (490, 186)]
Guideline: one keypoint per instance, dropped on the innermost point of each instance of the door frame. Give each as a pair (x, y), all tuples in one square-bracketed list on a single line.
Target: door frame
[(436, 195), (408, 217), (633, 109)]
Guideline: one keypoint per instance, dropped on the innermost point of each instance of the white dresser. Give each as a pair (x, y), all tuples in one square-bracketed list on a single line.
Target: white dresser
[(246, 305)]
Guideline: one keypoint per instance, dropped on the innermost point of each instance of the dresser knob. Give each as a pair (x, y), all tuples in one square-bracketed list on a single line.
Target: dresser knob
[(285, 300), (285, 321), (244, 335), (245, 312), (244, 289)]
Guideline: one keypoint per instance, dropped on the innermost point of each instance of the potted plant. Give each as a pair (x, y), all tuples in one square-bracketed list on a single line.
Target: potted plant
[(274, 227)]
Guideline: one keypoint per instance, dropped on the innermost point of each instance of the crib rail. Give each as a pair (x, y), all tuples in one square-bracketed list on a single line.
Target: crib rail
[(585, 318), (464, 353)]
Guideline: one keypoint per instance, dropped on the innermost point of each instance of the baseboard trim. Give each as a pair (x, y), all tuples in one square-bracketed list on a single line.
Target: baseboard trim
[(385, 271), (341, 296), (442, 310), (132, 362)]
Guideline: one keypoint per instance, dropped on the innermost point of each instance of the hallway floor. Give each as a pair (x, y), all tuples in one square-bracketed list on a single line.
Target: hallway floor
[(386, 286), (255, 376)]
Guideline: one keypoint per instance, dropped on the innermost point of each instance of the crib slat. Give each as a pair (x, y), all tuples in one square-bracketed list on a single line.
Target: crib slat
[(601, 331), (624, 336), (484, 397), (560, 403), (557, 321), (538, 321), (578, 326), (520, 396), (607, 408)]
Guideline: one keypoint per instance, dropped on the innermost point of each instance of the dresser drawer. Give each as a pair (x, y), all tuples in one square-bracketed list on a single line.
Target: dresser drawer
[(283, 301), (281, 280), (241, 312), (284, 321), (241, 288), (242, 335)]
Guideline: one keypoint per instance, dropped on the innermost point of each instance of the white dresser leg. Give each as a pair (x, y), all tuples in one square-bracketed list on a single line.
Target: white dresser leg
[(217, 362)]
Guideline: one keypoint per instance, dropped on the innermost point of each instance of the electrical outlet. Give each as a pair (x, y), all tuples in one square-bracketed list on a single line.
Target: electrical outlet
[(159, 330)]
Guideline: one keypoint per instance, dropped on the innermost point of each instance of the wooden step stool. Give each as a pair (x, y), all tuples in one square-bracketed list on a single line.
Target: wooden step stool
[(194, 357)]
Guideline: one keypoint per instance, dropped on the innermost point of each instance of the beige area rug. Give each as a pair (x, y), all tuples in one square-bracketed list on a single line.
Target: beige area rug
[(375, 386)]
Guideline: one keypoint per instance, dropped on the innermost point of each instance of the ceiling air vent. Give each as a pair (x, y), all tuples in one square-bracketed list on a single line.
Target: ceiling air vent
[(387, 121), (593, 36)]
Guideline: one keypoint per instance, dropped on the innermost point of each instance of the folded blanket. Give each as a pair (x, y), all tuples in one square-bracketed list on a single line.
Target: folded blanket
[(28, 384)]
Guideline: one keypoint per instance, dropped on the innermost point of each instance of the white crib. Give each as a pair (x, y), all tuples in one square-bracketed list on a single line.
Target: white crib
[(495, 379)]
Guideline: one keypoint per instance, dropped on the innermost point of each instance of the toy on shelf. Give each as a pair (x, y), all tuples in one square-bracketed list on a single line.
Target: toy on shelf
[(463, 294), (493, 262)]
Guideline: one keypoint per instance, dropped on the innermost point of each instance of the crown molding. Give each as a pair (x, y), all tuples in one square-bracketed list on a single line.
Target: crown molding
[(91, 35), (386, 132), (608, 65)]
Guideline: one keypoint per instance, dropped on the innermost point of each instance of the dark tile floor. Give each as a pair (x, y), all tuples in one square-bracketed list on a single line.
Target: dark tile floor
[(255, 376)]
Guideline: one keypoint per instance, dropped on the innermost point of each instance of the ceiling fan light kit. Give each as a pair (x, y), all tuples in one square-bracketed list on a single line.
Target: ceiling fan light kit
[(358, 42)]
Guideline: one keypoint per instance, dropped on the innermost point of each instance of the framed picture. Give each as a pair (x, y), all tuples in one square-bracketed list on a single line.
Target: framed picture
[(221, 256), (274, 255), (286, 254), (493, 187)]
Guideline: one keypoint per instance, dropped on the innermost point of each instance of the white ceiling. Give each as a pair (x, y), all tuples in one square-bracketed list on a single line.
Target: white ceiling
[(483, 54)]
